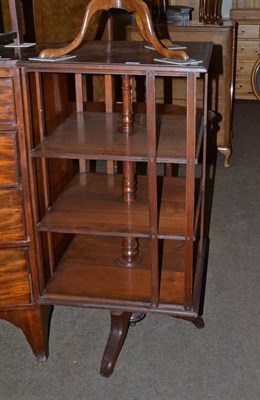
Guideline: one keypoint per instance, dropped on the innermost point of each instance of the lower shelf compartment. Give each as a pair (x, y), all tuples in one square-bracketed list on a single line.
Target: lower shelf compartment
[(89, 274)]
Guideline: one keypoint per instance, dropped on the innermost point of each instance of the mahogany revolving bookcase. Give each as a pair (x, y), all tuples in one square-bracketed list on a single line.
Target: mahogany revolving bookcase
[(131, 239)]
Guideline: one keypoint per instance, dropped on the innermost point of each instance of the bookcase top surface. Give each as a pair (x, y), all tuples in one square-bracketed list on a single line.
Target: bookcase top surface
[(116, 56)]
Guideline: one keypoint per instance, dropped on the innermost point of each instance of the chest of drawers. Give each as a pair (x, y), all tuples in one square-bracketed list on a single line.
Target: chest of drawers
[(248, 49), (18, 276)]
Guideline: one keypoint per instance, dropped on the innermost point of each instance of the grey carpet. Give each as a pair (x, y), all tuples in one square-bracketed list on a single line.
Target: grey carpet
[(164, 358)]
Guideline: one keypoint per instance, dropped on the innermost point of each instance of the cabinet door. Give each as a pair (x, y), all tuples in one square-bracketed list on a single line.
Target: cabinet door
[(14, 277)]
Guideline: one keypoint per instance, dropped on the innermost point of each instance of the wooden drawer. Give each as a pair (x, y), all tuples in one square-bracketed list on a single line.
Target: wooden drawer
[(8, 159), (248, 32), (11, 215), (7, 102), (245, 67), (244, 88), (14, 277), (248, 49)]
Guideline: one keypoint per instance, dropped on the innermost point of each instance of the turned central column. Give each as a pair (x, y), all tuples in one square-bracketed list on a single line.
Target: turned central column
[(130, 252)]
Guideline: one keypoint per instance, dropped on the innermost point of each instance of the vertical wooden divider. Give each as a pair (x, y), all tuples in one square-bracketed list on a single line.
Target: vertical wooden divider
[(152, 184), (83, 164), (109, 99), (204, 163), (33, 212), (190, 185), (44, 163), (198, 273)]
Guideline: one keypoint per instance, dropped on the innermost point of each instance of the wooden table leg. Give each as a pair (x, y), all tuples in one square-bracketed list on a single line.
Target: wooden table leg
[(118, 331)]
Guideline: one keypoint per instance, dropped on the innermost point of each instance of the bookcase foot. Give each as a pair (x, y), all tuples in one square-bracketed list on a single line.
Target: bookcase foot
[(118, 331), (198, 322)]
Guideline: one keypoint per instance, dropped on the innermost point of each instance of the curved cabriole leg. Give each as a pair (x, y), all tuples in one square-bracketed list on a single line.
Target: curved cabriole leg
[(118, 331), (143, 21), (34, 322), (226, 151)]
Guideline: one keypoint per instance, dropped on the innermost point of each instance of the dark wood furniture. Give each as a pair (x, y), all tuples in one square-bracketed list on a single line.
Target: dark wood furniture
[(220, 74), (131, 242), (19, 291), (18, 277)]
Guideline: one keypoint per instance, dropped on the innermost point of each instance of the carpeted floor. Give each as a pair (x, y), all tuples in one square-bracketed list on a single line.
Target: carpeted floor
[(164, 358)]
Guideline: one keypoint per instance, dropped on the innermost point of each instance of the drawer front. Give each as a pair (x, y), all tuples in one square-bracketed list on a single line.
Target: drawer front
[(8, 159), (248, 31), (248, 49), (245, 67), (14, 277), (11, 215), (7, 102), (244, 88)]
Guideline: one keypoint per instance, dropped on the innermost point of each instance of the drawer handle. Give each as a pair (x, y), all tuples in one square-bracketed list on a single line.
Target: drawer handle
[(241, 85), (243, 30), (241, 66), (242, 48)]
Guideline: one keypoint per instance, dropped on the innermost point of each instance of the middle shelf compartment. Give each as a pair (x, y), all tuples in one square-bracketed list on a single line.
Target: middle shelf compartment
[(98, 135), (93, 203)]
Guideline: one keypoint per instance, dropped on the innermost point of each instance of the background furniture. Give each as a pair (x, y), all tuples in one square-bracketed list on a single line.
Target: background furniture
[(248, 49)]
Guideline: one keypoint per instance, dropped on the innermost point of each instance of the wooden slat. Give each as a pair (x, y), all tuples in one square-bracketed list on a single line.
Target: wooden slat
[(44, 164), (79, 108), (190, 185), (152, 184)]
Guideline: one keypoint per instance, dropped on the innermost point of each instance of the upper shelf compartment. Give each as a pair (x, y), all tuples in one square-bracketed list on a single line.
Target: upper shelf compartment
[(98, 135)]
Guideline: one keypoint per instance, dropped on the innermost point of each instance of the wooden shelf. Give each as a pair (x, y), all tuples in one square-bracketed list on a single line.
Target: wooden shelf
[(89, 274), (97, 135), (94, 203)]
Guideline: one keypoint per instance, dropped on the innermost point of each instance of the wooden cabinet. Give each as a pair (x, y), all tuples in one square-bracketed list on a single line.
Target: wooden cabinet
[(248, 49), (18, 276), (220, 74), (131, 242)]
